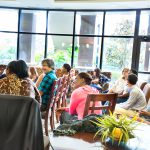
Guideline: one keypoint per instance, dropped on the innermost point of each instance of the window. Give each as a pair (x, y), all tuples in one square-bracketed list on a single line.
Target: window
[(9, 20), (60, 22), (89, 23), (117, 54), (144, 77), (87, 52), (144, 23), (120, 23), (33, 21), (60, 49), (31, 48), (8, 47), (144, 61)]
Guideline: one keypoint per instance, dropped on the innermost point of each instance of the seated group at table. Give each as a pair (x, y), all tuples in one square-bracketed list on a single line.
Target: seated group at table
[(16, 82)]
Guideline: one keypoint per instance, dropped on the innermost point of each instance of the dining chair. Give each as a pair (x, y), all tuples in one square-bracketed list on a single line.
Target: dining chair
[(146, 91), (93, 98)]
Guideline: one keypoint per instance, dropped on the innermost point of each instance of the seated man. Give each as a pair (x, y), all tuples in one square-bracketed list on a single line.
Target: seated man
[(47, 81), (136, 100)]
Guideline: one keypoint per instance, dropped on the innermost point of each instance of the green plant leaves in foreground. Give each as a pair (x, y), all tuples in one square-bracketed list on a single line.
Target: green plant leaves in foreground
[(117, 128)]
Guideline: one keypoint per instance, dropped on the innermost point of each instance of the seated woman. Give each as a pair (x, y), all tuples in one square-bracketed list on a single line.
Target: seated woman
[(120, 85), (33, 75), (100, 81), (47, 81), (65, 70), (17, 82), (78, 99)]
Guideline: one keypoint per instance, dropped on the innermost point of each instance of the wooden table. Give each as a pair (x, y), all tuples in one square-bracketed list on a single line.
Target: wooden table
[(85, 141)]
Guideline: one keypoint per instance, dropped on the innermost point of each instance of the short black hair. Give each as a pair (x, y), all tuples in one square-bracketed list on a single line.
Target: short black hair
[(132, 78), (87, 77), (133, 71), (49, 62), (67, 67), (19, 68)]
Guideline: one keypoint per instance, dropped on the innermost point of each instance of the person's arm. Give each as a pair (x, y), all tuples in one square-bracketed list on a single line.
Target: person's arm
[(123, 95), (37, 95), (74, 101), (39, 80), (131, 101), (45, 85), (95, 81)]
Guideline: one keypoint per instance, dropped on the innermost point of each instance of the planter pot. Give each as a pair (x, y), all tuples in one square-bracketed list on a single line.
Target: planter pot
[(115, 143)]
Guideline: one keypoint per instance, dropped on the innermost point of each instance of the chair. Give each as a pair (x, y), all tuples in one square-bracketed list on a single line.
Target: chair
[(92, 98), (146, 91), (39, 70), (143, 85), (60, 98), (48, 115), (20, 127)]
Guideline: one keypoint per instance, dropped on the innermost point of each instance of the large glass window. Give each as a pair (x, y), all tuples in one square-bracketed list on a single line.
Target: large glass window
[(60, 49), (87, 52), (31, 48), (120, 23), (8, 47), (117, 54), (89, 23), (33, 21), (144, 23), (60, 22), (144, 61), (9, 20)]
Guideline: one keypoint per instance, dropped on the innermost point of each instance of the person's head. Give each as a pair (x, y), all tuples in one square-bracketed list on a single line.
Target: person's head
[(82, 79), (132, 79), (19, 68), (66, 68), (47, 65), (133, 71), (97, 72), (125, 73)]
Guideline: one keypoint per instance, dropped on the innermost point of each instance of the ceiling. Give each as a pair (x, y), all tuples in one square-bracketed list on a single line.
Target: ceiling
[(77, 4)]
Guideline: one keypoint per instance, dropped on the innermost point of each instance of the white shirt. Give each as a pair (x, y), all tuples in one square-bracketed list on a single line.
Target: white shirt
[(136, 100), (119, 85)]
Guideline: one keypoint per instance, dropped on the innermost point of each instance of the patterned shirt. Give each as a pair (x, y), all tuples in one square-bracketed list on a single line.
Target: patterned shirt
[(46, 84), (20, 87)]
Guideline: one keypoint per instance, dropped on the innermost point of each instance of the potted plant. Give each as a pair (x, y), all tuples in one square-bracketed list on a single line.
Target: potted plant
[(116, 129)]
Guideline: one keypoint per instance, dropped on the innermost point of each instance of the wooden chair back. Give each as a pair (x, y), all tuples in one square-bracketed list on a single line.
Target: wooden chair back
[(93, 98), (39, 70), (146, 91), (48, 115), (143, 85)]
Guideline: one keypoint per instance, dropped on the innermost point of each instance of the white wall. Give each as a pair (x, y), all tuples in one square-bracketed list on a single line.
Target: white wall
[(78, 5)]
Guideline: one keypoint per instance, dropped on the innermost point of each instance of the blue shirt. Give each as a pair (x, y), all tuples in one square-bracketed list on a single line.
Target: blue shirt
[(46, 85)]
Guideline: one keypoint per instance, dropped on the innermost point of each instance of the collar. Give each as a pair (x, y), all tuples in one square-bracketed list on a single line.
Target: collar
[(52, 71)]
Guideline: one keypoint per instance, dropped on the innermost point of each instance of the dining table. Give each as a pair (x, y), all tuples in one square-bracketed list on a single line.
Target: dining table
[(87, 141)]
